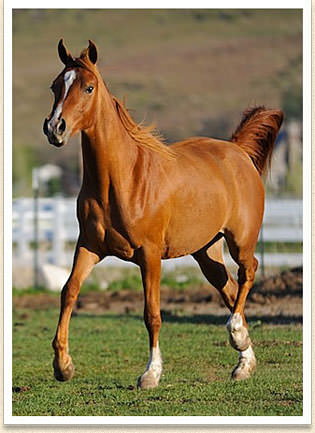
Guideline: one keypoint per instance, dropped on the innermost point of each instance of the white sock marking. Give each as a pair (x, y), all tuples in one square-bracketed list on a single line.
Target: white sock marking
[(247, 359), (154, 364), (235, 322), (247, 354)]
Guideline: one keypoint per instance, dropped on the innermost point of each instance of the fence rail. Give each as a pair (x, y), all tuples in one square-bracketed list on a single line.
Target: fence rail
[(58, 230)]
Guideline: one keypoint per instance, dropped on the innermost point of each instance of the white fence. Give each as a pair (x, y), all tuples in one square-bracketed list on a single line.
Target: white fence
[(58, 231)]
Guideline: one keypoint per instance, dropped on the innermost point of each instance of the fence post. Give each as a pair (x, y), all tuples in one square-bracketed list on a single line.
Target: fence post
[(35, 182), (58, 237), (262, 252), (22, 240)]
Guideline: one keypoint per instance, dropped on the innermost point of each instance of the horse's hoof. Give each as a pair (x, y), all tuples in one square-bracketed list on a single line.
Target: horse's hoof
[(238, 334), (240, 373), (147, 381), (65, 373), (246, 365)]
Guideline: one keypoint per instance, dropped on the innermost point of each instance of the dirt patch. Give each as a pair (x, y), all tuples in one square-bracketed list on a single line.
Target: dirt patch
[(279, 295), (286, 283)]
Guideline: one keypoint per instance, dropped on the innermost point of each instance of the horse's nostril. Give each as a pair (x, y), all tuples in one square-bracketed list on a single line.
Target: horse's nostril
[(45, 126), (62, 126)]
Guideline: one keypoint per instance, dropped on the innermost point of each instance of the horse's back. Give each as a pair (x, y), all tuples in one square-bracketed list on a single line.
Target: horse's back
[(226, 159), (197, 147)]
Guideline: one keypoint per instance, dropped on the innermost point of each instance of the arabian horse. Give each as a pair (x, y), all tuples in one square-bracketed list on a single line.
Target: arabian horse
[(143, 201)]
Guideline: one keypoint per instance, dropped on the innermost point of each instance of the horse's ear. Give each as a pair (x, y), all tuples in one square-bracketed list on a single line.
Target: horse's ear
[(64, 54), (92, 52)]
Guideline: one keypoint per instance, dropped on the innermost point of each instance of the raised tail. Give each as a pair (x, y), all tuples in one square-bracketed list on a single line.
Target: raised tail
[(256, 135)]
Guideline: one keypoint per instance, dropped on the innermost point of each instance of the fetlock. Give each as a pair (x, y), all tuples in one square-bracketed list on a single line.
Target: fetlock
[(238, 333)]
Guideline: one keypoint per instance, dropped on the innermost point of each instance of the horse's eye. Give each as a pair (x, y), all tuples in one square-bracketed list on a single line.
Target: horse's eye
[(89, 89)]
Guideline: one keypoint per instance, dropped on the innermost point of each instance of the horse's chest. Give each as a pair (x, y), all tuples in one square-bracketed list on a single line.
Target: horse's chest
[(98, 231)]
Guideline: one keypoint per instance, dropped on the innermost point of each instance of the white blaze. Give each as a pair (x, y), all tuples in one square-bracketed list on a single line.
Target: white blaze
[(69, 78)]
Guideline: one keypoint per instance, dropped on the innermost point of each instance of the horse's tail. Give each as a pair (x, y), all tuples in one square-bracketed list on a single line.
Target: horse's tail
[(256, 135)]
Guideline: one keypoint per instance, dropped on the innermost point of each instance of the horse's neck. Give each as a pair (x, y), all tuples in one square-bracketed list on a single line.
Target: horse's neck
[(108, 154)]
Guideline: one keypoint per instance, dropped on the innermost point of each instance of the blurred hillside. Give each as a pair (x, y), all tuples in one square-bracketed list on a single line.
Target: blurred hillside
[(192, 72)]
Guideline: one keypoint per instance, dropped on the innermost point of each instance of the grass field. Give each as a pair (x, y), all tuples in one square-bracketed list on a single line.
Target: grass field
[(110, 351)]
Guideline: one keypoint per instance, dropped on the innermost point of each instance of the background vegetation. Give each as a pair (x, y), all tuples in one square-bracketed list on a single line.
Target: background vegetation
[(191, 71)]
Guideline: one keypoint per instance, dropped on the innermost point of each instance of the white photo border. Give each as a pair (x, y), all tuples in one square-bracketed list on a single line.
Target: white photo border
[(305, 419)]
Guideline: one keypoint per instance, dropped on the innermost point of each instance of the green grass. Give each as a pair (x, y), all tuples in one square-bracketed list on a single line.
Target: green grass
[(110, 351), (132, 282), (31, 291), (277, 247), (281, 247), (178, 280)]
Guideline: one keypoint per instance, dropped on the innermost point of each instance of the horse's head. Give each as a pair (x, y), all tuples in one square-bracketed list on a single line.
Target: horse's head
[(75, 90)]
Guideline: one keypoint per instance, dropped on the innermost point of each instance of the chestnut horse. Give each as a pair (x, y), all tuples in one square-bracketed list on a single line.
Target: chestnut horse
[(143, 201)]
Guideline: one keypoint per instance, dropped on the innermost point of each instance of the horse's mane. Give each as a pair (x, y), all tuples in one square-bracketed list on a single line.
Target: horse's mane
[(146, 136)]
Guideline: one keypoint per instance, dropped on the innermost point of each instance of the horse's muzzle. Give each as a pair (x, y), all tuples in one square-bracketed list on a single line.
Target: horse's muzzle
[(55, 133)]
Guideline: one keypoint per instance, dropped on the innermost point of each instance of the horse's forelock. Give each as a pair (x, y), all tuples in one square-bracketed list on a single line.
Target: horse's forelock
[(85, 64)]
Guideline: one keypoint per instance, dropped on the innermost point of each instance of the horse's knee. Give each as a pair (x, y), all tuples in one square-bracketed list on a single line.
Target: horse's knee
[(70, 292)]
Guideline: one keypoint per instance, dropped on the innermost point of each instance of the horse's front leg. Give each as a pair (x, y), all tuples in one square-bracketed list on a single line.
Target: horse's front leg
[(84, 261), (151, 276)]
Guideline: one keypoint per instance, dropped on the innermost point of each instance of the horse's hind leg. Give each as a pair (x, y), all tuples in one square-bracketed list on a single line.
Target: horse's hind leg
[(212, 266), (243, 254), (83, 263)]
